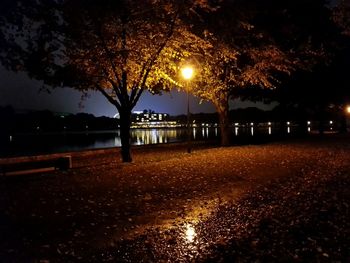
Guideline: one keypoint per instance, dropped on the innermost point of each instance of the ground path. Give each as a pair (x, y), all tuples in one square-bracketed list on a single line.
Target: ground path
[(278, 201)]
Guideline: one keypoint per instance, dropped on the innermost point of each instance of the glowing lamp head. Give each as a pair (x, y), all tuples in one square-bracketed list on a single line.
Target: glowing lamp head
[(348, 109), (187, 72)]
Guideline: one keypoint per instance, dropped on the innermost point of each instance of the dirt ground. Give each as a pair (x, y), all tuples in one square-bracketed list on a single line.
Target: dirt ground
[(281, 201)]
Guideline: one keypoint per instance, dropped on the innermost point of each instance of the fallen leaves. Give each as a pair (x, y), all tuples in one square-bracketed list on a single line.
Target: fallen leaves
[(248, 203)]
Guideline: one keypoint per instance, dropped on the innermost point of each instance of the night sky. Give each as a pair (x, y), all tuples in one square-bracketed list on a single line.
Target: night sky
[(19, 91)]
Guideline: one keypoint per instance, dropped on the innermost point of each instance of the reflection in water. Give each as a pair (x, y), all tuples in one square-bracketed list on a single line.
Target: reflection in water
[(41, 142), (153, 136)]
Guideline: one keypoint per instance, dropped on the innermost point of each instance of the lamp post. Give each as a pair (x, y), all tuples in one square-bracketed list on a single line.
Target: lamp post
[(346, 118), (187, 73)]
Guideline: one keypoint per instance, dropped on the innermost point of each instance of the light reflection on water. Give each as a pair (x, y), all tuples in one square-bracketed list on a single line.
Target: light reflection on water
[(154, 136), (41, 142), (238, 130)]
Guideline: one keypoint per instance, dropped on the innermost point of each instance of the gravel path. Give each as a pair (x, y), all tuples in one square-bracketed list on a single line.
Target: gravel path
[(274, 202)]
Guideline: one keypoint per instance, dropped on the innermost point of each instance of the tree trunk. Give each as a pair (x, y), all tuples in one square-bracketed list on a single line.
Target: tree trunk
[(125, 121), (302, 122), (322, 121), (224, 122), (343, 124)]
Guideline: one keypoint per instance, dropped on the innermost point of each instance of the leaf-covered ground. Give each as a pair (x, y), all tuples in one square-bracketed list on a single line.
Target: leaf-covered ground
[(275, 202)]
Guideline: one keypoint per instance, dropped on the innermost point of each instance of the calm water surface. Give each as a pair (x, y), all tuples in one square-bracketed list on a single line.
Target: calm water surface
[(41, 143)]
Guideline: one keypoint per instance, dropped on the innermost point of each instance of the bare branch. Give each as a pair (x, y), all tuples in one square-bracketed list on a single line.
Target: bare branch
[(109, 97)]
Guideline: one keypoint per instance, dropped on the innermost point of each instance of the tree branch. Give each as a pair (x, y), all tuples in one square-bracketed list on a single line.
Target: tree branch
[(109, 97), (149, 63), (137, 97), (108, 54)]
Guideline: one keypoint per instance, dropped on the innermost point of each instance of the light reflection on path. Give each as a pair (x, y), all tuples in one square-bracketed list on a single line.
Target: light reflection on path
[(190, 233), (187, 240)]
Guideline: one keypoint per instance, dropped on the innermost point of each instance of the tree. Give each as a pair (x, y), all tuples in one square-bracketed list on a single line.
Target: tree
[(255, 45), (341, 15), (324, 86), (237, 55), (119, 48)]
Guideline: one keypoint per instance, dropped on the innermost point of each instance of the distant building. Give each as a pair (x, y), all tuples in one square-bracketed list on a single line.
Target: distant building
[(150, 119), (146, 117)]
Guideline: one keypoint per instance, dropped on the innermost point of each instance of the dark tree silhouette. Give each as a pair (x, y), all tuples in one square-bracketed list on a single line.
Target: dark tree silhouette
[(119, 48), (252, 45)]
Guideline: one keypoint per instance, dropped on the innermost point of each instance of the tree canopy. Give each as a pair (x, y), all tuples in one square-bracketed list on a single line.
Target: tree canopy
[(119, 48)]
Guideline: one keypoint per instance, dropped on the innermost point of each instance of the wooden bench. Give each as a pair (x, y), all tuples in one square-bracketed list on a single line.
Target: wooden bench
[(36, 165)]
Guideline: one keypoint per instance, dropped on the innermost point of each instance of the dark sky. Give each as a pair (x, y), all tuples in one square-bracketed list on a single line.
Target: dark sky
[(18, 90)]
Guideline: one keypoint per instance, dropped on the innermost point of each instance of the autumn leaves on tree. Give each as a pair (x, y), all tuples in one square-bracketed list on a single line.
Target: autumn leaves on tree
[(122, 48)]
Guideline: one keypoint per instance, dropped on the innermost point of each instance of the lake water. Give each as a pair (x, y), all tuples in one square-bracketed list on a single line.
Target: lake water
[(41, 143)]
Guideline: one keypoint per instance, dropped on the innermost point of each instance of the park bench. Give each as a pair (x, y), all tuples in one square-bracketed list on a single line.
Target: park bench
[(35, 165)]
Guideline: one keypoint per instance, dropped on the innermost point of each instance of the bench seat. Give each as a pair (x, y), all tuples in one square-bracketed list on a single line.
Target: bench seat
[(22, 167)]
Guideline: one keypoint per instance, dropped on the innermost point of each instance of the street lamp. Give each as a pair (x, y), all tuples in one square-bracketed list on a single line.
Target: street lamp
[(187, 73), (348, 109)]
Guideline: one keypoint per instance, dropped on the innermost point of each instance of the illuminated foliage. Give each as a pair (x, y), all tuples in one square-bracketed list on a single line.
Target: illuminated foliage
[(252, 45), (119, 48)]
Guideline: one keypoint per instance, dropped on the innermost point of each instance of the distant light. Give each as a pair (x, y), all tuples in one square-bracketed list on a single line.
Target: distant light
[(236, 124), (308, 129), (87, 127), (348, 109), (330, 122), (269, 123), (288, 123), (252, 123), (11, 138), (38, 128), (309, 122), (187, 72)]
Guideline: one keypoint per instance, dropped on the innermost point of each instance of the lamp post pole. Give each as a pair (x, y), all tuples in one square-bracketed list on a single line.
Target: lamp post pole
[(188, 122), (187, 73)]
